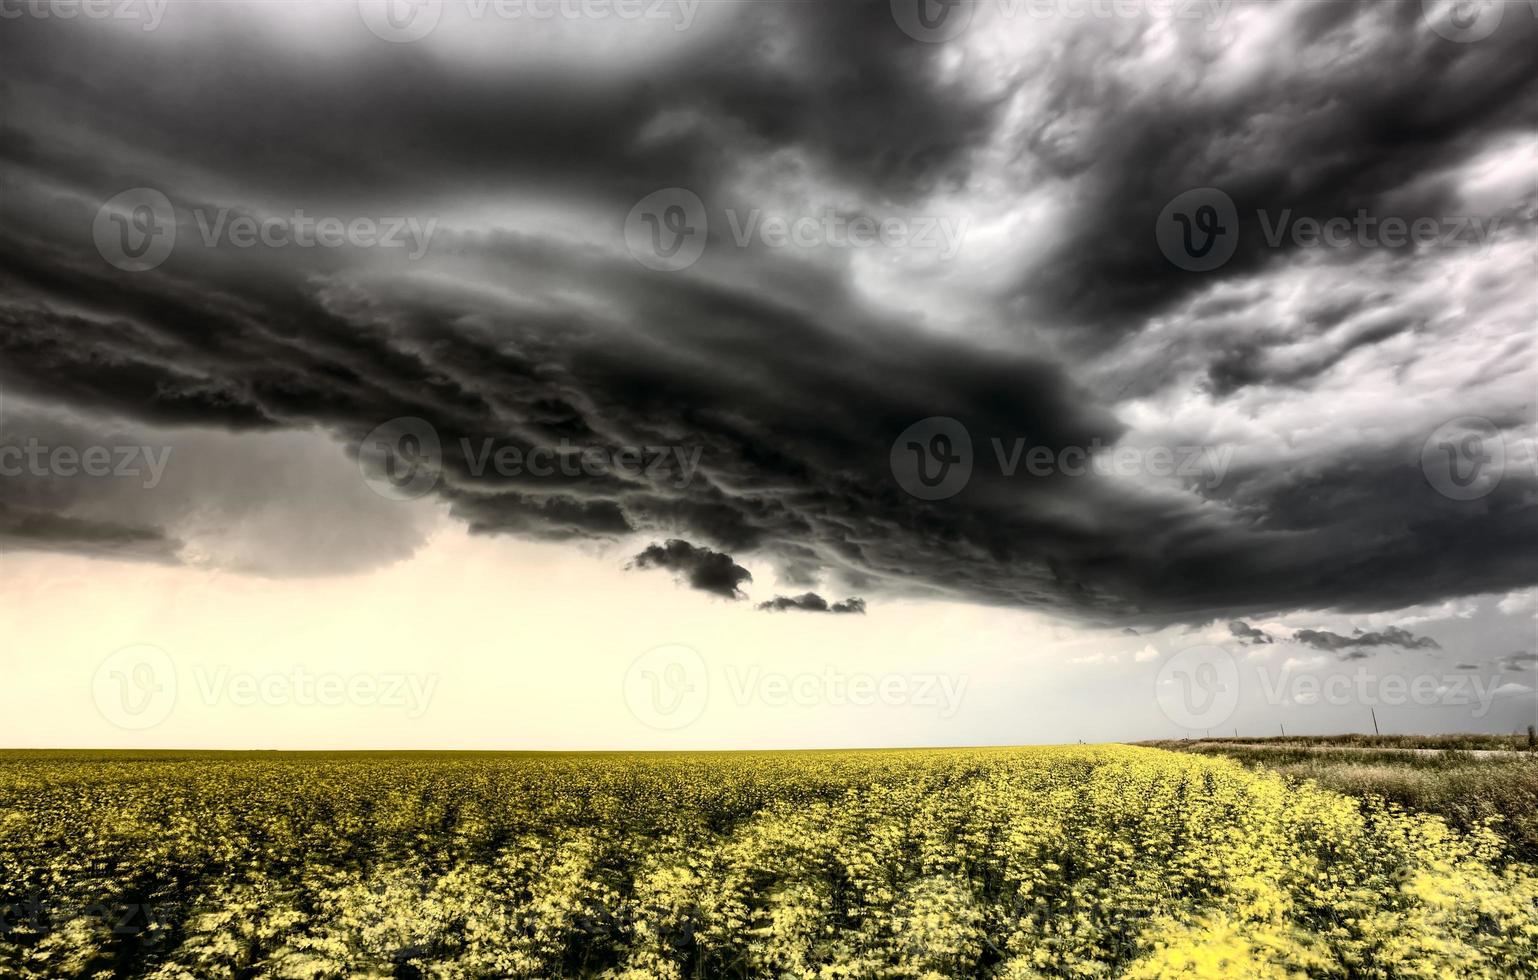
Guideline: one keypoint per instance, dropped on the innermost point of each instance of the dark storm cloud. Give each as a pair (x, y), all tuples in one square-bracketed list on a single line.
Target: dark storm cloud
[(1516, 662), (1254, 363), (812, 602), (82, 484), (850, 90), (1391, 636), (30, 529), (1360, 106), (1245, 633), (706, 570), (527, 326)]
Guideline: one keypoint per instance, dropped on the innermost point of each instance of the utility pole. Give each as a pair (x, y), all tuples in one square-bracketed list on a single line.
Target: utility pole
[(1374, 721), (1283, 728)]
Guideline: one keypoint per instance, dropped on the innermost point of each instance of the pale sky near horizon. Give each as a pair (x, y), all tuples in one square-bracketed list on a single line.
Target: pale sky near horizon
[(841, 299), (494, 643)]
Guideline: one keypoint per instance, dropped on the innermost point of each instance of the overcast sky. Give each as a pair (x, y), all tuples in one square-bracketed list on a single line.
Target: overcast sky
[(665, 374)]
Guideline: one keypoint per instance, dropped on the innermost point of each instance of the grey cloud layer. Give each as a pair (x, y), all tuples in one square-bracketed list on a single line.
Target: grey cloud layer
[(528, 324), (706, 570), (1389, 636), (812, 602)]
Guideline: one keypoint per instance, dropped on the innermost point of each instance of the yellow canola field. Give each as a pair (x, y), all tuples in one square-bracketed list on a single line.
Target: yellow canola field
[(1084, 861)]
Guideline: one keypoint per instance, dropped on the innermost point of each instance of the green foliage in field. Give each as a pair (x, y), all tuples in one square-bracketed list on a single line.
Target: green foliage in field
[(1010, 863), (1484, 742), (1468, 791)]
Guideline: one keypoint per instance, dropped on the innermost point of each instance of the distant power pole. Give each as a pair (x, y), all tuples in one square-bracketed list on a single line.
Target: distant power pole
[(1374, 721), (1283, 728)]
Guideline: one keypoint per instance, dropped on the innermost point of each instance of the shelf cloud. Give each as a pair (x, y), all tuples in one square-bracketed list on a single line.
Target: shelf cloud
[(929, 345)]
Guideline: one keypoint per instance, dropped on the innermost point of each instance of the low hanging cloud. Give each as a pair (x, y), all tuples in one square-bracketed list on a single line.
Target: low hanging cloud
[(703, 569), (1247, 634), (1353, 647), (812, 602), (789, 375)]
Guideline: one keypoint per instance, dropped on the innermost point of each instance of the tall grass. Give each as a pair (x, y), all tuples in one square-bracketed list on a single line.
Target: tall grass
[(1464, 790)]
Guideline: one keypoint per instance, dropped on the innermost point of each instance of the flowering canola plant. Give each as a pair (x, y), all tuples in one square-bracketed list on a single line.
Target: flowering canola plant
[(1083, 861)]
